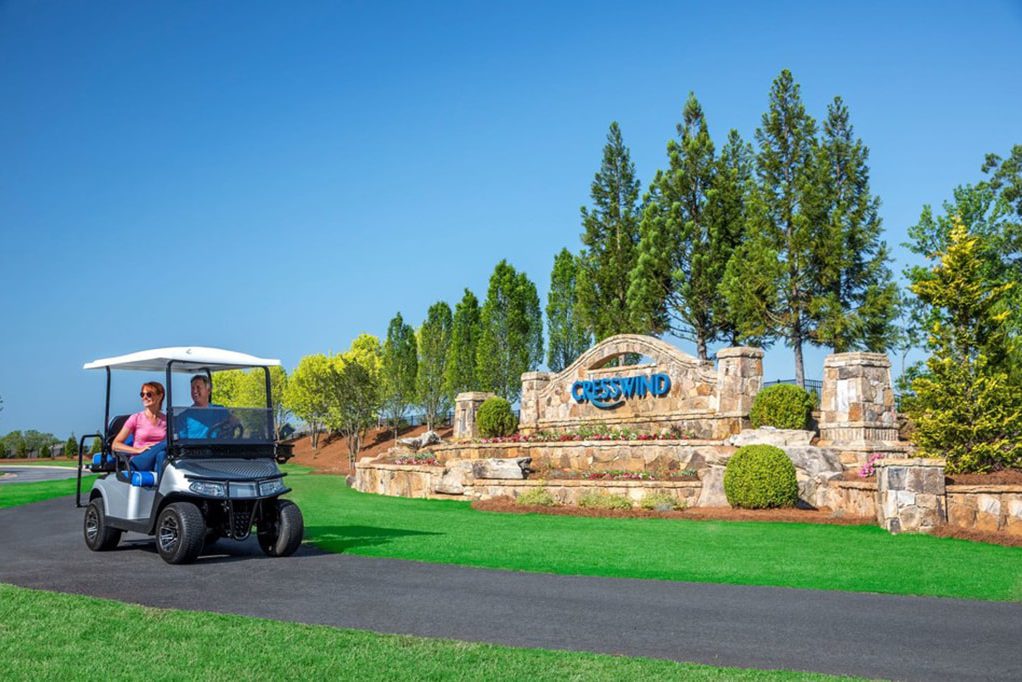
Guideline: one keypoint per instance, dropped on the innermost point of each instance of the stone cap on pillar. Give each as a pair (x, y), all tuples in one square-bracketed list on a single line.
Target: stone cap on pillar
[(740, 352), (861, 358), (473, 395), (533, 376), (910, 462)]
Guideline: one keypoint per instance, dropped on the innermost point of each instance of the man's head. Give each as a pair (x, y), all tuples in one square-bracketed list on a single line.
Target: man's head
[(201, 388)]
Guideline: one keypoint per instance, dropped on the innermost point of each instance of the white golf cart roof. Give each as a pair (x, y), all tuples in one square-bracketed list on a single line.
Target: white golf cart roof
[(185, 358)]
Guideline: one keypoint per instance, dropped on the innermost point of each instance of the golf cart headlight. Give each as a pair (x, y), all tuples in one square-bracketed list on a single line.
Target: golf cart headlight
[(208, 488), (271, 487)]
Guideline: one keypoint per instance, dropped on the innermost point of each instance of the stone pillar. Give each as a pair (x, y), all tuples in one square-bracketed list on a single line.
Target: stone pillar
[(910, 494), (857, 405), (739, 378), (465, 407), (532, 384)]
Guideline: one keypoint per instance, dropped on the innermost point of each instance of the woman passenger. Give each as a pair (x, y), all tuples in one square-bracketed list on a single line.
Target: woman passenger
[(148, 430)]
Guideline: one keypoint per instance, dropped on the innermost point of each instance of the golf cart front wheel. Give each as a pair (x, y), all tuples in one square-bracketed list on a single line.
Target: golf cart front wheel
[(180, 533), (280, 534), (99, 537)]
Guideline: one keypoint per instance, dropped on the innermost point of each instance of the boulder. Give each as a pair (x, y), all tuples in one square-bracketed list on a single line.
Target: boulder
[(712, 493), (768, 435), (416, 444), (456, 475), (494, 468)]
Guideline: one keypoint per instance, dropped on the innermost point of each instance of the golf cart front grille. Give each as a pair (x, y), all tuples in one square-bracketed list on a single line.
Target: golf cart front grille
[(240, 519)]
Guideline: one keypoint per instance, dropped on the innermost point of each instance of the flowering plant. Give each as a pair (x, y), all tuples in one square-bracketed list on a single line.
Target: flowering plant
[(869, 468), (421, 458)]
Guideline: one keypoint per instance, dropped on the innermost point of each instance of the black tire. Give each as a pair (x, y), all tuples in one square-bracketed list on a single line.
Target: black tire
[(281, 532), (99, 536), (180, 532)]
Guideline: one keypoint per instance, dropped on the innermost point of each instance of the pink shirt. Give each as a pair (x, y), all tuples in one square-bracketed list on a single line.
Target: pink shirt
[(144, 431)]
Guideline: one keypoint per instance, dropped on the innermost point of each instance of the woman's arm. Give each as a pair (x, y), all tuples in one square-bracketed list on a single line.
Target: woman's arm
[(120, 446)]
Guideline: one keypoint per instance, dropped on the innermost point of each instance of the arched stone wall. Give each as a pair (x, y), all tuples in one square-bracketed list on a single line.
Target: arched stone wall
[(673, 390)]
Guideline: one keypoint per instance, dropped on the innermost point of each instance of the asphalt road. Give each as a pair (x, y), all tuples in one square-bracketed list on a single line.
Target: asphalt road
[(35, 473), (758, 627)]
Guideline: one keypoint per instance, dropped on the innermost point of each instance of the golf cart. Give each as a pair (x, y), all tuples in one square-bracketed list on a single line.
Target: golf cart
[(220, 477)]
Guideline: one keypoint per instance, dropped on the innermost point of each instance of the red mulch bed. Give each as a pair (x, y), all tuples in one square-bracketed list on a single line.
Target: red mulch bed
[(507, 505), (1006, 477), (989, 537), (331, 457)]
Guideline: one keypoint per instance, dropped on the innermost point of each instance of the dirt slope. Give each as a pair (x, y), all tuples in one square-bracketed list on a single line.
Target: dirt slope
[(331, 457)]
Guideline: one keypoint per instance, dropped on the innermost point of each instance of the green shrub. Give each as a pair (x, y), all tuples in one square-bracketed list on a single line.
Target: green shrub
[(536, 497), (601, 500), (661, 502), (760, 477), (495, 418), (784, 406)]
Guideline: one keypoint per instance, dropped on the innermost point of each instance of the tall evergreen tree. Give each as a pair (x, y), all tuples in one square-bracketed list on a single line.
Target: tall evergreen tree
[(859, 301), (693, 220), (511, 342), (771, 284), (460, 371), (434, 340), (400, 366), (566, 334), (610, 238), (966, 407)]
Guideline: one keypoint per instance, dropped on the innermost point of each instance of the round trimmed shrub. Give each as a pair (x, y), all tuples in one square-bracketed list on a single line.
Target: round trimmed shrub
[(760, 477), (784, 406), (495, 418)]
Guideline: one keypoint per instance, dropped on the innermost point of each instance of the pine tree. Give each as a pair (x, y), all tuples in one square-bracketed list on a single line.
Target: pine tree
[(610, 238), (400, 366), (71, 446), (966, 407), (693, 221), (567, 335), (859, 301), (511, 342), (771, 283), (434, 340), (460, 374)]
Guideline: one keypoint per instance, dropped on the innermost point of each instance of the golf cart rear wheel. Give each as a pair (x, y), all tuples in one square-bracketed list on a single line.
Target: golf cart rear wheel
[(280, 534), (180, 532), (99, 537)]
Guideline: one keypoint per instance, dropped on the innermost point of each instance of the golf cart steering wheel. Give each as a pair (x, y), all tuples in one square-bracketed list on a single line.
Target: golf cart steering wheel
[(227, 428)]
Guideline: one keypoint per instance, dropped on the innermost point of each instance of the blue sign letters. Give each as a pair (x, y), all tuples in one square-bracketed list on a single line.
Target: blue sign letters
[(607, 394)]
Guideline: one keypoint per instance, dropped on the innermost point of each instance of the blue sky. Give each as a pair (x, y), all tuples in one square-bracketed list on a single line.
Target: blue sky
[(277, 178)]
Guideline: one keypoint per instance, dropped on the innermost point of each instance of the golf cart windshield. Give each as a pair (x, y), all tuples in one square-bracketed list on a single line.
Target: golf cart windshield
[(215, 425)]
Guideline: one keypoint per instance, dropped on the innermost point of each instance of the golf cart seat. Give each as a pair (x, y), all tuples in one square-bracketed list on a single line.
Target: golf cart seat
[(106, 460)]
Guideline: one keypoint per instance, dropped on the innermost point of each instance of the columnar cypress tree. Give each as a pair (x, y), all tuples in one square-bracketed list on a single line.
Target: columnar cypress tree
[(434, 340), (858, 303), (568, 337), (400, 366), (512, 332), (772, 282), (610, 238), (693, 220), (460, 371)]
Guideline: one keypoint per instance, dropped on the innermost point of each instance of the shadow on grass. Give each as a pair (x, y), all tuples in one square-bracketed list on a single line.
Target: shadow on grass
[(341, 538)]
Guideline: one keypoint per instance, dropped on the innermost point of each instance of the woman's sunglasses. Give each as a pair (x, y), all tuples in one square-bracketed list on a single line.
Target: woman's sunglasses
[(147, 394)]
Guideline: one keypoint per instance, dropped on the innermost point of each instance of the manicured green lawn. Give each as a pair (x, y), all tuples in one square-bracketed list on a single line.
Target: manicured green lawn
[(852, 558), (42, 462), (12, 494), (56, 636)]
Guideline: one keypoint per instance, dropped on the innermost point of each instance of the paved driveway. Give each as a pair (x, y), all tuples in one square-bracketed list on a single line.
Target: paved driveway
[(34, 473), (760, 627)]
